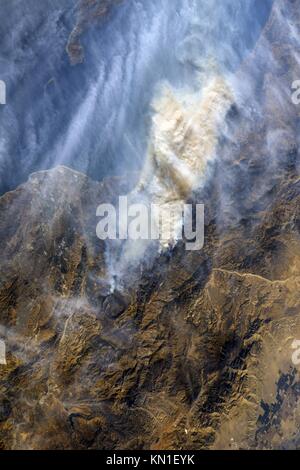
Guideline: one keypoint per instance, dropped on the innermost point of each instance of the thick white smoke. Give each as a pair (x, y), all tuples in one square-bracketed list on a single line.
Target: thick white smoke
[(184, 136)]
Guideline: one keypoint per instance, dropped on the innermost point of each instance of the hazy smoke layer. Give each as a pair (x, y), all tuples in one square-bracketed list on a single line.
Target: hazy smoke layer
[(95, 116), (183, 141)]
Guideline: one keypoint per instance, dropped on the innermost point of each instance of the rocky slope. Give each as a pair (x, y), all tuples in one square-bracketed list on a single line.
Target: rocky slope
[(197, 353)]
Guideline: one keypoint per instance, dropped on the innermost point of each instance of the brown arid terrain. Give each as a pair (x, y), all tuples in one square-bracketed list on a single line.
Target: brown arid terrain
[(89, 12), (197, 352)]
